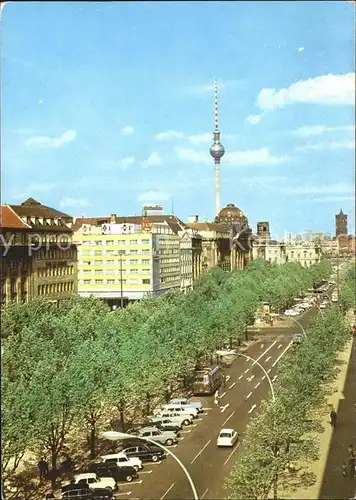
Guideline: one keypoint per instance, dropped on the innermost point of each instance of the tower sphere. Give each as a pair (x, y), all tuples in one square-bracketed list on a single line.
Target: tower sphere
[(217, 150)]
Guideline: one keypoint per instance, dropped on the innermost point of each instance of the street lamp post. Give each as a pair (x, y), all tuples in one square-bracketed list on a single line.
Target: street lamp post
[(301, 326), (255, 362), (115, 436)]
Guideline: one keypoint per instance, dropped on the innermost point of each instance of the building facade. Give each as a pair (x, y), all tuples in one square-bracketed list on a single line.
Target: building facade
[(305, 254), (38, 258), (122, 259)]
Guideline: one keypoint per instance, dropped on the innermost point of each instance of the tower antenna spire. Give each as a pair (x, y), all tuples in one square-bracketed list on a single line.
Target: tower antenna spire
[(217, 150)]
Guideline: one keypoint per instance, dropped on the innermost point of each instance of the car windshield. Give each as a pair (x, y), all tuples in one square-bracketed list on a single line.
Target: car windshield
[(225, 434)]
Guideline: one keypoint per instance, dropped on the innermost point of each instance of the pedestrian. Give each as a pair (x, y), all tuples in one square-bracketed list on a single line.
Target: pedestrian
[(351, 450), (352, 464), (216, 398), (43, 468), (333, 417), (344, 469)]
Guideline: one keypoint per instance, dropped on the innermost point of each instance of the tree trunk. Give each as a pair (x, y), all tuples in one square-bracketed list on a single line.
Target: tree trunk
[(275, 487), (54, 455), (148, 405), (92, 436), (246, 334), (122, 419), (230, 342)]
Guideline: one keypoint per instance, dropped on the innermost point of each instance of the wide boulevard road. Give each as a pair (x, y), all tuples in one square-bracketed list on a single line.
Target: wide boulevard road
[(239, 400)]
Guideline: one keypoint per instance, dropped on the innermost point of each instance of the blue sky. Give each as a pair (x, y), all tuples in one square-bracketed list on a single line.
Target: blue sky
[(107, 106)]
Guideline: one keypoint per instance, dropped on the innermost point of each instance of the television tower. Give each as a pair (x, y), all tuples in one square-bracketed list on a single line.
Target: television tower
[(217, 150)]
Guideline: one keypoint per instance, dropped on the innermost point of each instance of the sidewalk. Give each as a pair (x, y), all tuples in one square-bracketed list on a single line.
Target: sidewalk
[(323, 477)]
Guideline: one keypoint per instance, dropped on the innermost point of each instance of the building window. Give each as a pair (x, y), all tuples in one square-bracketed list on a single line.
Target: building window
[(110, 242), (110, 282), (145, 251), (87, 282), (110, 252), (98, 271), (97, 243), (133, 242), (98, 282), (134, 252), (146, 261), (146, 282), (97, 252), (98, 262), (145, 242), (134, 261)]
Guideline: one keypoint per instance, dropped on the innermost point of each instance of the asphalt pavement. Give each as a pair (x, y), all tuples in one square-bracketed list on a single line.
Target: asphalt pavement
[(239, 400), (336, 486)]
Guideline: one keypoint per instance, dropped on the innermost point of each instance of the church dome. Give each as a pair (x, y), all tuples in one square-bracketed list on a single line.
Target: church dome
[(230, 214)]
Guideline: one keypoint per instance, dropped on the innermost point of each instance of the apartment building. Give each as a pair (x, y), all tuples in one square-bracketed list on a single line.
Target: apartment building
[(121, 259), (275, 252), (38, 258)]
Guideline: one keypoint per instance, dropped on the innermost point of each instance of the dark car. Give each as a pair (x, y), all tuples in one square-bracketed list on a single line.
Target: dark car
[(111, 469), (145, 452), (77, 492), (102, 494)]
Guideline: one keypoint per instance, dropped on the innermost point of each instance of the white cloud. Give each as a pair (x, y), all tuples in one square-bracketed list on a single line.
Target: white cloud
[(254, 119), (128, 130), (153, 196), (169, 135), (326, 89), (204, 138), (337, 188), (73, 202), (306, 131), (253, 157), (300, 49), (153, 160), (327, 146), (193, 156), (51, 142), (124, 163)]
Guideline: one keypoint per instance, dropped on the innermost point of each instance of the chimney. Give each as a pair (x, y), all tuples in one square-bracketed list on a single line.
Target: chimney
[(193, 218), (113, 218)]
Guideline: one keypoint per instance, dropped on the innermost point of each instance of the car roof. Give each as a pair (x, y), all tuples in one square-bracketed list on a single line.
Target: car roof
[(86, 475), (149, 428), (227, 430)]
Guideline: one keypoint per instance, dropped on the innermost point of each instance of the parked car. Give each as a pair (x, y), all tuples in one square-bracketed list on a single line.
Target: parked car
[(77, 491), (95, 482), (188, 404), (291, 312), (122, 460), (193, 412), (111, 469), (170, 424), (227, 437), (145, 452), (101, 494), (185, 418), (164, 437)]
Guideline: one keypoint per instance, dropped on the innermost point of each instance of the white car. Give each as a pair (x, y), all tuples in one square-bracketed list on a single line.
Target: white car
[(123, 460), (193, 412), (96, 482), (227, 437), (290, 312), (185, 418)]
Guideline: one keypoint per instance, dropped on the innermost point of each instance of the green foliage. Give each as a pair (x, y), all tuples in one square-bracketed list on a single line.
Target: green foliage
[(64, 367)]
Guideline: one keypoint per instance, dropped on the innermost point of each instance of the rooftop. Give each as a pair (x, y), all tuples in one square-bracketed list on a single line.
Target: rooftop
[(10, 220)]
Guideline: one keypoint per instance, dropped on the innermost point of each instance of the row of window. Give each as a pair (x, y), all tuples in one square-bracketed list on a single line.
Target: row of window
[(44, 272), (175, 269), (145, 281), (116, 271), (103, 242), (55, 288), (117, 262), (168, 251), (168, 279), (56, 253), (142, 251)]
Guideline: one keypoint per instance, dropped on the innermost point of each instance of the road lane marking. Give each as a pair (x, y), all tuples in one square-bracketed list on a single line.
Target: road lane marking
[(257, 385), (274, 378), (252, 408), (249, 395), (185, 432), (269, 357), (175, 445), (285, 350), (155, 463), (223, 408), (145, 472), (247, 370), (181, 439), (233, 451), (264, 376), (169, 489), (206, 409), (261, 356), (200, 452), (240, 377), (228, 418), (269, 370), (232, 385), (250, 378), (222, 395), (132, 482), (227, 379), (280, 345), (205, 492), (123, 493)]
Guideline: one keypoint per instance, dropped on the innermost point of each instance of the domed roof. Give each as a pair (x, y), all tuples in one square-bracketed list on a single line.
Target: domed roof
[(231, 212)]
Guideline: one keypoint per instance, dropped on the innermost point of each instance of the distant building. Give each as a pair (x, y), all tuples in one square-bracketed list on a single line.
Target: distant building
[(38, 258), (275, 252), (263, 233), (340, 224)]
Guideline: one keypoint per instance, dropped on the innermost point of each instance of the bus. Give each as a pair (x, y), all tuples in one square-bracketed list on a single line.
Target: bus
[(207, 380)]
